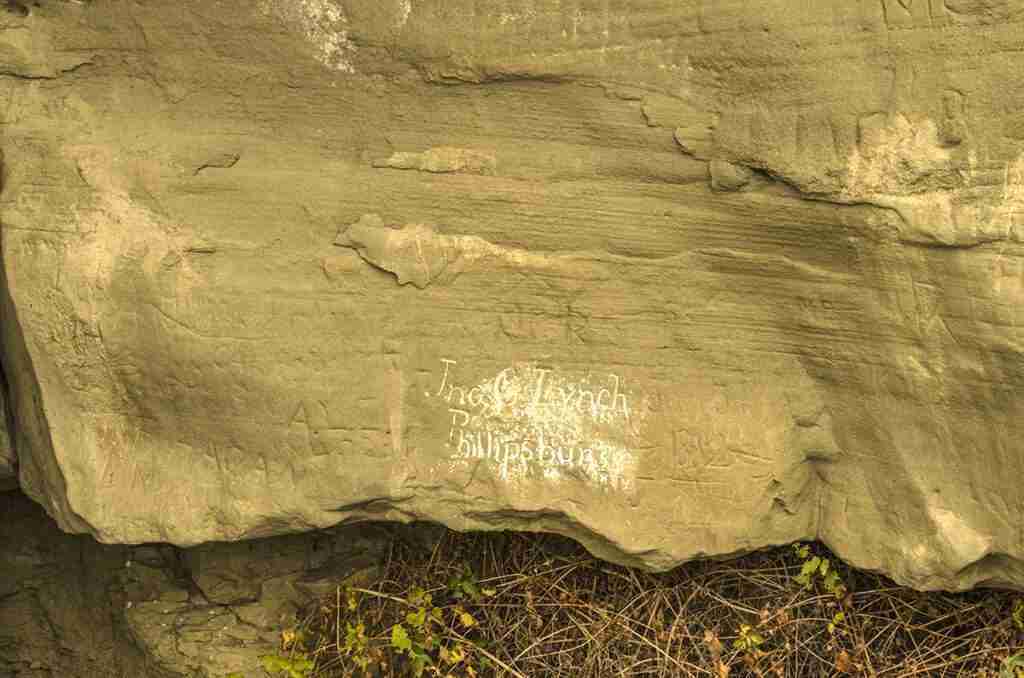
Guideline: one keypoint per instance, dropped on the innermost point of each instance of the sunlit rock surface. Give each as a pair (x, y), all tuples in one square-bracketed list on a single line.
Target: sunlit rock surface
[(672, 278)]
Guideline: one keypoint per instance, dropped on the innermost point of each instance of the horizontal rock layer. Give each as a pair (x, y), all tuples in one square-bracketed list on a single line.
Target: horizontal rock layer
[(672, 278)]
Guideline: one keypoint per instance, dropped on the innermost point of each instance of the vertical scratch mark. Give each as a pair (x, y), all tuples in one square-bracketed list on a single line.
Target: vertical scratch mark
[(396, 405)]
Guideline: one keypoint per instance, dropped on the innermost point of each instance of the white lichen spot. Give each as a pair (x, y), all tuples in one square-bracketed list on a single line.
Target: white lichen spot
[(322, 24)]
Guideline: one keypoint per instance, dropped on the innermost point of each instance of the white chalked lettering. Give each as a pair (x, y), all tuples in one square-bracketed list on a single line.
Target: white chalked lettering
[(444, 380), (539, 422)]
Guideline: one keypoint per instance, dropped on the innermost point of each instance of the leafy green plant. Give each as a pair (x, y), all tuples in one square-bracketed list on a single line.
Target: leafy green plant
[(1013, 667), (298, 666), (418, 636), (837, 622), (464, 586), (296, 663), (424, 637), (817, 569), (749, 640), (357, 645), (429, 639)]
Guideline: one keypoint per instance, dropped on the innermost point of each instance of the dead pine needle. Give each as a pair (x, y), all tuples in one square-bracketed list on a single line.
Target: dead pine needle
[(536, 606)]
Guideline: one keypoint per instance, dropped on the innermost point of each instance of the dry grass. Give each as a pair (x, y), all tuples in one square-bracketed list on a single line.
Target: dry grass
[(553, 610)]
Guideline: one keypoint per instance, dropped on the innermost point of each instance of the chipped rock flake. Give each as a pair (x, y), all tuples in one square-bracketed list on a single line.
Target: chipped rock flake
[(442, 160), (324, 26), (417, 253)]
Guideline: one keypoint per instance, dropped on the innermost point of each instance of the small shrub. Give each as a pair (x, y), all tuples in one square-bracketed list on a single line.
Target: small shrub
[(818, 569)]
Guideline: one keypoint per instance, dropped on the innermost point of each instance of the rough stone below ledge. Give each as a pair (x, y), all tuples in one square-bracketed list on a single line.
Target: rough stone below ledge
[(74, 608), (8, 459)]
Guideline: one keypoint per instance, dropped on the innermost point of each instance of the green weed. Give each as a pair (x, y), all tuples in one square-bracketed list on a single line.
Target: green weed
[(816, 569)]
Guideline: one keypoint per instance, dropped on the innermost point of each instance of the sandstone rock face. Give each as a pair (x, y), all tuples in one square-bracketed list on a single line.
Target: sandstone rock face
[(671, 278)]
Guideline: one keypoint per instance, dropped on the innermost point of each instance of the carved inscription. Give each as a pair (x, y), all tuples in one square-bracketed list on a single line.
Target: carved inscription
[(316, 430), (914, 13), (723, 434), (533, 422), (699, 452)]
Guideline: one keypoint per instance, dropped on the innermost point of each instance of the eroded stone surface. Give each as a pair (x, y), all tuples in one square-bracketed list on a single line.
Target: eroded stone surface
[(8, 460), (684, 278), (71, 607), (59, 598)]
